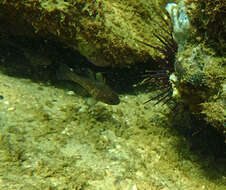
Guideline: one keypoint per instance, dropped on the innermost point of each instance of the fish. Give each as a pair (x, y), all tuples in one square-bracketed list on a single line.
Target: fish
[(97, 89)]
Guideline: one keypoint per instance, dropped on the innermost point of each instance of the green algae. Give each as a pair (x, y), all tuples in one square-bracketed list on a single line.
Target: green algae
[(208, 18)]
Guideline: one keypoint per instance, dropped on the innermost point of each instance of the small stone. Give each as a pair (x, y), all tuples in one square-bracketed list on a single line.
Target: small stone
[(11, 109)]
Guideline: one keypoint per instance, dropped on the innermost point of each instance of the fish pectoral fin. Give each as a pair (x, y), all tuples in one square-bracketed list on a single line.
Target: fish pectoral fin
[(91, 74), (100, 77), (91, 101), (62, 71)]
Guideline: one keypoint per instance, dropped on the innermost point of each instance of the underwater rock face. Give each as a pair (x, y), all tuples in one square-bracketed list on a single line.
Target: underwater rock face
[(200, 70), (201, 80), (105, 32)]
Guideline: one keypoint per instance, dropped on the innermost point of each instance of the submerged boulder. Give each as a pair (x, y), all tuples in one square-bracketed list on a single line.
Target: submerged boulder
[(105, 32), (200, 62)]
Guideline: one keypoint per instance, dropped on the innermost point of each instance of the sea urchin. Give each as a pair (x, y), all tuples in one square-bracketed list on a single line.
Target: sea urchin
[(160, 78)]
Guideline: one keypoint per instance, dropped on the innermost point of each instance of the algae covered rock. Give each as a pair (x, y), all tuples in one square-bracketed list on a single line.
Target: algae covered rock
[(104, 31), (208, 19), (200, 62)]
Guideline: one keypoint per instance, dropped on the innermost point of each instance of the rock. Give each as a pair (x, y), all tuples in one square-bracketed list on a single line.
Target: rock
[(105, 32), (200, 65)]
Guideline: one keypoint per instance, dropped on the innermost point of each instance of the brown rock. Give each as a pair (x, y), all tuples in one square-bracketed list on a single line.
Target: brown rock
[(105, 32)]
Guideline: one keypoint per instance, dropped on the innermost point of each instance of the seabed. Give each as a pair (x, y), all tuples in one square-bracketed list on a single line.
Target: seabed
[(51, 138)]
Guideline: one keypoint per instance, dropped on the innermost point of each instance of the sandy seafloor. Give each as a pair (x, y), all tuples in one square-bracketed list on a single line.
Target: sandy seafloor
[(52, 139)]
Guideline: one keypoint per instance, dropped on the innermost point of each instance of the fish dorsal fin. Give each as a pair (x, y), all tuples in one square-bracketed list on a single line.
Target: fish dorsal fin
[(95, 76)]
